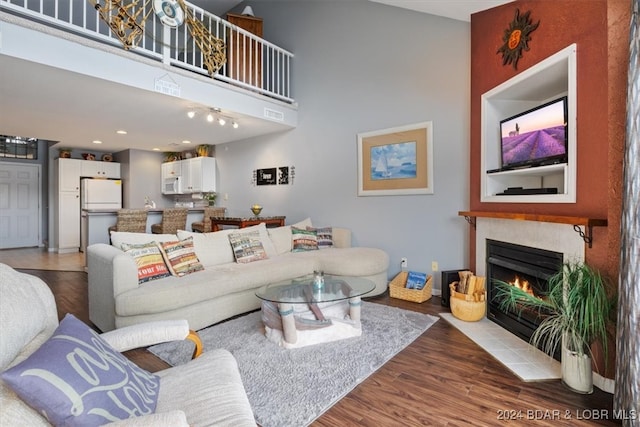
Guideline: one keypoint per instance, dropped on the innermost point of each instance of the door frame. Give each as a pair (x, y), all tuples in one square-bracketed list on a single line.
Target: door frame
[(40, 201)]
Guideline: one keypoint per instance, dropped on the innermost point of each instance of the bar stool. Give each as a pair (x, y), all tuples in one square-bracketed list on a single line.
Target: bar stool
[(173, 219), (204, 226), (132, 220)]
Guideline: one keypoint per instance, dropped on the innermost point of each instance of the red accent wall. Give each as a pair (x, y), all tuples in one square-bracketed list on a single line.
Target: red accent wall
[(600, 30)]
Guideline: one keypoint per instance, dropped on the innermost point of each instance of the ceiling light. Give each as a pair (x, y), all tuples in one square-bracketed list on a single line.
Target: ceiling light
[(209, 117), (97, 142), (156, 149), (186, 142), (222, 121), (235, 125), (121, 132), (191, 114)]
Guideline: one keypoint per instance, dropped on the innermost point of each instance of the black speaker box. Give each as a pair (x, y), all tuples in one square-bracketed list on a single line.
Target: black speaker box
[(448, 277)]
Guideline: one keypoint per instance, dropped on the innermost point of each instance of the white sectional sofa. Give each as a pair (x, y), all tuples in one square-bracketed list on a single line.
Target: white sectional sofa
[(224, 288)]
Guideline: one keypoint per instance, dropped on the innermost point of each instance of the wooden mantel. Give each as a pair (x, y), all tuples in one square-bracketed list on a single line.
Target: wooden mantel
[(576, 221)]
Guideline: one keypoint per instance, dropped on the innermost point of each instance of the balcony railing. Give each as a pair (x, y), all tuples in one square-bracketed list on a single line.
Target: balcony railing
[(252, 63)]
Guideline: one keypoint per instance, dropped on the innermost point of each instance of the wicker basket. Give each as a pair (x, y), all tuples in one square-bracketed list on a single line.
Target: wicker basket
[(469, 311), (397, 289)]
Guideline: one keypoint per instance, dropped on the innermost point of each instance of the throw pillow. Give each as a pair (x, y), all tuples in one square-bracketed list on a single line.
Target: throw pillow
[(180, 257), (281, 236), (247, 247), (303, 240), (76, 378), (149, 260), (325, 236)]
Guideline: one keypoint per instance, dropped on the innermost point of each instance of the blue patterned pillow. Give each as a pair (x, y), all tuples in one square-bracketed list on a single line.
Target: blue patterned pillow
[(77, 379)]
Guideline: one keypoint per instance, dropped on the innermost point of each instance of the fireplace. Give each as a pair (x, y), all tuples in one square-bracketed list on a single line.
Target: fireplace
[(523, 266)]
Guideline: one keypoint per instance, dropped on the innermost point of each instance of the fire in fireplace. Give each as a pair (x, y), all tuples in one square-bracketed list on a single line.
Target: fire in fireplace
[(526, 267)]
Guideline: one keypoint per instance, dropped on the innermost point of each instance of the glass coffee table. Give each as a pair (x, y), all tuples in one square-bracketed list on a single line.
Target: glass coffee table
[(296, 313)]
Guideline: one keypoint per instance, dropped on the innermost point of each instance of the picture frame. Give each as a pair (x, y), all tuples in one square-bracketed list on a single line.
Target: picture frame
[(396, 161)]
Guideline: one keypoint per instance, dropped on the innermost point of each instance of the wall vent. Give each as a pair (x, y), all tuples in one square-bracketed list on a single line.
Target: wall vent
[(274, 114)]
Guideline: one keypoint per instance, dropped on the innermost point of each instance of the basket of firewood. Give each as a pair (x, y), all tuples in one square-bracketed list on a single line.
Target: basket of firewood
[(468, 297)]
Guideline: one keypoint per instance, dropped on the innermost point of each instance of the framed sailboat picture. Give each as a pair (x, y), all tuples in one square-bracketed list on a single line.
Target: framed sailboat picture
[(396, 161)]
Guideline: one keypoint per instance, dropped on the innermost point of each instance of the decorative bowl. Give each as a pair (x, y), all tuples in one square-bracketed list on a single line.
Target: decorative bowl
[(256, 209)]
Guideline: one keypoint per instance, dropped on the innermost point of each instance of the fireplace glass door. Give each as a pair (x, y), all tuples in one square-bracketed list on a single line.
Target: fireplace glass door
[(522, 266)]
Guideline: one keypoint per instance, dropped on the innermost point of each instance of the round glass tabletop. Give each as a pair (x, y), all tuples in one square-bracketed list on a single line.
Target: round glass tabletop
[(301, 290)]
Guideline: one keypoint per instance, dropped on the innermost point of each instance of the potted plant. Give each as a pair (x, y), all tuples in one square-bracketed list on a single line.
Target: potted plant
[(211, 198), (576, 313), (202, 150)]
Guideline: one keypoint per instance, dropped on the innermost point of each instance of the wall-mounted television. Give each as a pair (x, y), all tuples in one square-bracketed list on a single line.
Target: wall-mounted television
[(535, 137)]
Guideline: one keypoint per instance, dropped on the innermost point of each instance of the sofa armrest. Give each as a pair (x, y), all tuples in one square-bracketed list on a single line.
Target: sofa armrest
[(175, 418), (146, 334), (341, 237), (110, 273)]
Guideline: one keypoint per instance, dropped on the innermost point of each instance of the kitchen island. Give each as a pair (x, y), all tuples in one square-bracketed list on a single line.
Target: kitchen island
[(95, 223)]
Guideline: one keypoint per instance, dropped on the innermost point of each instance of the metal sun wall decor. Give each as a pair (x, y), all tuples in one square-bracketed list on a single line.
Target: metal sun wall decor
[(126, 20), (516, 38), (282, 175)]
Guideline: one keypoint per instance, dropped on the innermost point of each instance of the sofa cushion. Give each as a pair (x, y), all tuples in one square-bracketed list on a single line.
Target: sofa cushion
[(148, 258), (120, 237), (303, 240), (77, 378), (180, 257), (247, 247)]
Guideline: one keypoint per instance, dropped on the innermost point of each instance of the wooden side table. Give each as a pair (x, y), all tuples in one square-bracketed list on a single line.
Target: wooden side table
[(269, 221)]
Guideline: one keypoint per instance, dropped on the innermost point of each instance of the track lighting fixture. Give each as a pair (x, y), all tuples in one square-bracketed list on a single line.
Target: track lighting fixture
[(214, 114)]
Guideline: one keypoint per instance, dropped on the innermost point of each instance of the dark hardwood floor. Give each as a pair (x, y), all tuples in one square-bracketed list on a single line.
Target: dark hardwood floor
[(441, 379)]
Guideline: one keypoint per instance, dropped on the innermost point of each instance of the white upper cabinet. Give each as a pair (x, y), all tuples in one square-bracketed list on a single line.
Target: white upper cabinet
[(98, 169), (171, 169), (69, 174), (199, 175)]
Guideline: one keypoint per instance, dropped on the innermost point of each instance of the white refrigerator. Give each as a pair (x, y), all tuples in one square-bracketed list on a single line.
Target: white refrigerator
[(97, 194), (100, 193)]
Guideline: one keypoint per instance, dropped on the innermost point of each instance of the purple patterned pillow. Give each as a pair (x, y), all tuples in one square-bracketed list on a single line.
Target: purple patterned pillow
[(76, 378)]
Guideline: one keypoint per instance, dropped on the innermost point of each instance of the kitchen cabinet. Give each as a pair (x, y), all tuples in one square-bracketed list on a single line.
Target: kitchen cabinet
[(96, 169), (68, 221), (67, 205), (199, 175), (171, 169), (69, 174)]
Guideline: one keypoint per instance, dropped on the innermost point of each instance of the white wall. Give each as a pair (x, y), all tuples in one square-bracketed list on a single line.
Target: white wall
[(361, 66)]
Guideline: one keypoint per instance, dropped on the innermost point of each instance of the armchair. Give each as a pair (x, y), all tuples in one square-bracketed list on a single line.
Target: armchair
[(206, 391)]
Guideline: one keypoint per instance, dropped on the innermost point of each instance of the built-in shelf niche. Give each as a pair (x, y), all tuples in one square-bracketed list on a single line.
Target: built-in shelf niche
[(551, 78)]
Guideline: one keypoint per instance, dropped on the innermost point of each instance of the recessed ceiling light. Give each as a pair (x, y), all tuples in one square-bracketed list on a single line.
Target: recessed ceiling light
[(191, 114), (121, 132), (186, 142), (156, 149), (97, 142)]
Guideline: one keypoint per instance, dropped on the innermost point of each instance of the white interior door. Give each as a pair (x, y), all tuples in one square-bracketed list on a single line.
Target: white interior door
[(19, 205)]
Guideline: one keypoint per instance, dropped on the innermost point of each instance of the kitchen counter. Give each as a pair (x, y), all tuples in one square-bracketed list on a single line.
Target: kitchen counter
[(95, 223)]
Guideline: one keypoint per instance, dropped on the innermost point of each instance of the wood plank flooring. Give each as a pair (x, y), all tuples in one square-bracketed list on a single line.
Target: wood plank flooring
[(441, 379)]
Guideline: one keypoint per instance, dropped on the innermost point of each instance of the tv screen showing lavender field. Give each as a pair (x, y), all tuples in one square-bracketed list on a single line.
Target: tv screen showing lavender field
[(534, 136)]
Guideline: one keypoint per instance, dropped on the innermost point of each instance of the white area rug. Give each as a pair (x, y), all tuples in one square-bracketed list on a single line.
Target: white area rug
[(294, 387)]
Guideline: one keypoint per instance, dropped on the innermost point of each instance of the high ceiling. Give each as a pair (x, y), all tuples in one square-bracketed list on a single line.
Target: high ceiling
[(57, 108)]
